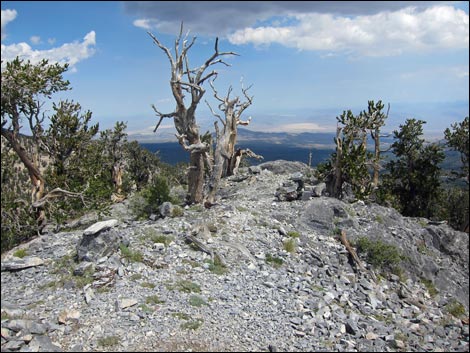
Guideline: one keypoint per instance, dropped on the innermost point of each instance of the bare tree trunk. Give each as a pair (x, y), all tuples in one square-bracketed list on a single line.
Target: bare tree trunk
[(226, 159), (117, 196), (37, 180), (338, 176), (237, 158), (185, 79), (376, 165), (220, 162), (196, 177)]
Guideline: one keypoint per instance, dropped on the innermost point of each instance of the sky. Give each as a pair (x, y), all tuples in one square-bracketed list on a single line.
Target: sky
[(307, 62)]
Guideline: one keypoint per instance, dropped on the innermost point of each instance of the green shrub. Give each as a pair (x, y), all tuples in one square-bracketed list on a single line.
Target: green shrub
[(151, 197), (157, 192), (136, 276), (289, 245), (455, 308), (197, 301), (378, 253), (181, 316), (148, 285), (177, 211), (430, 287), (108, 341), (293, 234), (132, 256), (154, 299), (192, 325), (185, 286), (20, 253), (162, 239), (274, 261), (216, 266)]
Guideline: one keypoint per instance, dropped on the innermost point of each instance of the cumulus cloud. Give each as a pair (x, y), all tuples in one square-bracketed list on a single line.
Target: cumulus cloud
[(7, 16), (70, 53), (382, 34), (220, 18)]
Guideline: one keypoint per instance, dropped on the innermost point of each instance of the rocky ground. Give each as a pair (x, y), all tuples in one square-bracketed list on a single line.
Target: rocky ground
[(250, 274)]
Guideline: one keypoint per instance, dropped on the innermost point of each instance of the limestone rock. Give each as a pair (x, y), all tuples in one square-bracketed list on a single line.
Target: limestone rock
[(100, 226), (20, 264)]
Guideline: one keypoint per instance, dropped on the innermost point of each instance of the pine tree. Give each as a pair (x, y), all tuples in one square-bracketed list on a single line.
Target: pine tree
[(414, 176)]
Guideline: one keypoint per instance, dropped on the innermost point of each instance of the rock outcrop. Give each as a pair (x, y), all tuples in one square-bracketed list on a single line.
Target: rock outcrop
[(251, 273)]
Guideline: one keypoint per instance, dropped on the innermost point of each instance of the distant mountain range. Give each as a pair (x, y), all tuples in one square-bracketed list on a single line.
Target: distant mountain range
[(308, 140)]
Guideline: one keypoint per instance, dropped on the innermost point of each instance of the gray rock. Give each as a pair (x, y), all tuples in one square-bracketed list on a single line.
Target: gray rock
[(324, 213), (351, 327), (100, 226), (254, 169), (166, 209), (82, 268), (125, 303), (26, 325), (284, 167), (312, 299), (319, 189), (44, 344), (20, 264), (12, 345), (93, 247)]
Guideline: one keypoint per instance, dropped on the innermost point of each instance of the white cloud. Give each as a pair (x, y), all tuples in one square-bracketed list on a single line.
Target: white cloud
[(70, 53), (220, 18), (35, 39), (382, 34), (145, 23), (7, 16)]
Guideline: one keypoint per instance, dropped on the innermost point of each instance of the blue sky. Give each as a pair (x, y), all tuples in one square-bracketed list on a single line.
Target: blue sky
[(307, 61)]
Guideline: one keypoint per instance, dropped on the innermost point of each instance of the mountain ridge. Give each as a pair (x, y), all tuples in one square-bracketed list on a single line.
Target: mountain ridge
[(252, 273)]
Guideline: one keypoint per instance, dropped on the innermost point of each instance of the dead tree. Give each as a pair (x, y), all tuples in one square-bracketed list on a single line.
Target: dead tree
[(185, 79), (338, 169), (226, 158)]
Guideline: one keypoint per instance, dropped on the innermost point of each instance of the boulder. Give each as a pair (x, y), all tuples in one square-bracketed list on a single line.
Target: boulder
[(284, 167), (100, 226), (95, 246)]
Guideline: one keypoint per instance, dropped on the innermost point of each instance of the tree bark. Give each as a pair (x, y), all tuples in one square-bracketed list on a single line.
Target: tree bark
[(37, 180), (226, 159), (190, 80), (338, 172), (196, 177), (376, 165)]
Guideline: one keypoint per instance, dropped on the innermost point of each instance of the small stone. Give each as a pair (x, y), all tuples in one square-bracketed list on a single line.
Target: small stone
[(5, 333), (89, 295), (351, 327), (27, 338), (12, 346), (398, 344), (296, 321), (126, 303), (68, 315), (371, 336)]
